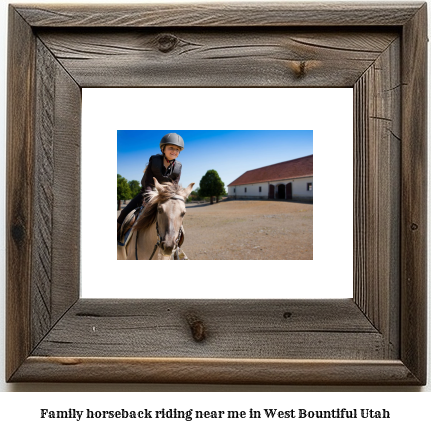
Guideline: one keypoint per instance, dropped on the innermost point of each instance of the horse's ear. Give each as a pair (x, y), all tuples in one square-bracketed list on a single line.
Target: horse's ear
[(188, 190), (158, 186)]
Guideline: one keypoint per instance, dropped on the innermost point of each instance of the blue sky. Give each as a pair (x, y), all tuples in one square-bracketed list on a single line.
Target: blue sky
[(229, 152)]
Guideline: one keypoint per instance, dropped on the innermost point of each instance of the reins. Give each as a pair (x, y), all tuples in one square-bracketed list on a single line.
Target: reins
[(159, 238)]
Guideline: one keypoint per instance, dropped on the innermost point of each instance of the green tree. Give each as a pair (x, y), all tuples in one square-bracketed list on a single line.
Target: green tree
[(123, 190), (135, 187), (211, 185)]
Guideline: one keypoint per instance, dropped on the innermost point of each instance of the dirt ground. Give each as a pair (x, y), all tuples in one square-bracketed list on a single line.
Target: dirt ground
[(249, 230)]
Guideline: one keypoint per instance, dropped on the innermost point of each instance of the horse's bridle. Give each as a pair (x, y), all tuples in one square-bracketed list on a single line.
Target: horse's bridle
[(159, 239)]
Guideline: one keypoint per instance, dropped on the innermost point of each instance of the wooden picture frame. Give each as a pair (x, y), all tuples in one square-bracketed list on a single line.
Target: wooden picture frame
[(378, 337)]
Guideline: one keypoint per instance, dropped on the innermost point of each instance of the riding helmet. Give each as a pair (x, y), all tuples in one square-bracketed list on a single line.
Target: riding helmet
[(173, 139)]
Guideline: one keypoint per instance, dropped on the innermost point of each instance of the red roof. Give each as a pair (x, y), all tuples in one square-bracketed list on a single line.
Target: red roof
[(297, 168)]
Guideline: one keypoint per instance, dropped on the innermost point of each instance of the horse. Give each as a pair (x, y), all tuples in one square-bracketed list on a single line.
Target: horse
[(158, 225)]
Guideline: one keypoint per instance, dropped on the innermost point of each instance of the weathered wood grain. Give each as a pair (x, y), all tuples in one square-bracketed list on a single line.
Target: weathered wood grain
[(234, 329), (43, 199), (414, 195), (19, 198), (55, 284), (377, 150), (67, 194), (387, 123), (216, 371), (215, 57), (216, 14)]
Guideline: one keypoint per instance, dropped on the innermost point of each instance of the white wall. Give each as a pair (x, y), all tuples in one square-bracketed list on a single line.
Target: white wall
[(252, 190), (299, 189)]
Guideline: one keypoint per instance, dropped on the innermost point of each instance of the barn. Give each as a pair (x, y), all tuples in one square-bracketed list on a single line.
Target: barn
[(286, 180)]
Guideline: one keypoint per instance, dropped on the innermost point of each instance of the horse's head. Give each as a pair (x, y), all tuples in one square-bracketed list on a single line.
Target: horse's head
[(171, 209)]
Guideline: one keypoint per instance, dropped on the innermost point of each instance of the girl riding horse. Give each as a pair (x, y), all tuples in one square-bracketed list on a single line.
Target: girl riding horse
[(164, 167)]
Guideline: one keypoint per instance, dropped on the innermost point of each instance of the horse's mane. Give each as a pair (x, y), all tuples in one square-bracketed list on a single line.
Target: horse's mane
[(153, 198)]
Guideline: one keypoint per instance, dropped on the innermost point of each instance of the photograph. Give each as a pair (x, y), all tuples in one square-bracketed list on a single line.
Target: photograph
[(248, 194)]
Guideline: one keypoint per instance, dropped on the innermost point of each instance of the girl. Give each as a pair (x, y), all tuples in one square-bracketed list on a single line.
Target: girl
[(163, 166)]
